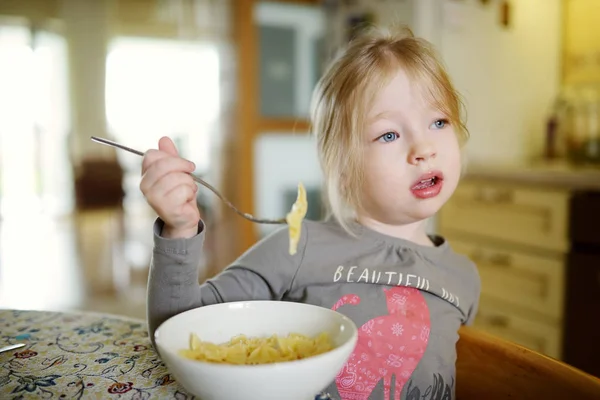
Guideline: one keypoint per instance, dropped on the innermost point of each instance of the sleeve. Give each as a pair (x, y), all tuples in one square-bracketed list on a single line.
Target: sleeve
[(476, 288), (264, 272)]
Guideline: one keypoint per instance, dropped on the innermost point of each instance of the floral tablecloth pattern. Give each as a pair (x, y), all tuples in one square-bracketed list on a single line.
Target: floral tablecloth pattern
[(80, 356)]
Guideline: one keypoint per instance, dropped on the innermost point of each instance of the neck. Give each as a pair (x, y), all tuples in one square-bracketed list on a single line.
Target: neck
[(414, 232)]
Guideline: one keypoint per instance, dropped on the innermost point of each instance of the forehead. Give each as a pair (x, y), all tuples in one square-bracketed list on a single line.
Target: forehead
[(400, 93)]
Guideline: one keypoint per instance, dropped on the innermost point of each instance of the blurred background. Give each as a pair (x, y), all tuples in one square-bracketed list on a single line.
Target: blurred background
[(230, 82)]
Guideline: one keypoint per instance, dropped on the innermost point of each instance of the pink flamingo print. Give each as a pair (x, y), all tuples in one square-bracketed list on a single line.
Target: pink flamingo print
[(388, 345)]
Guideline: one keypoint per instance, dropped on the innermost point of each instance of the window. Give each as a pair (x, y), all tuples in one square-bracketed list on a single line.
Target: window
[(35, 174), (160, 88)]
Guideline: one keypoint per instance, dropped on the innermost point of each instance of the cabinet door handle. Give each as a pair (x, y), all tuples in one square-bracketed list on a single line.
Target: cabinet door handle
[(497, 259), (477, 256), (501, 260), (495, 196), (498, 321)]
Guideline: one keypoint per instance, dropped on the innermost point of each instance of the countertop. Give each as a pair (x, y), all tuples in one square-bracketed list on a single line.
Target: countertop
[(553, 175)]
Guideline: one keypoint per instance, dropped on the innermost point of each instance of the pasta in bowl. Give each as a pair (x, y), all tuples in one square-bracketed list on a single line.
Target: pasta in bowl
[(242, 350), (301, 348)]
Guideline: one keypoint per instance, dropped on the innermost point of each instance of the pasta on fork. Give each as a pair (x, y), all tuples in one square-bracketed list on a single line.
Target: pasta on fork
[(295, 216)]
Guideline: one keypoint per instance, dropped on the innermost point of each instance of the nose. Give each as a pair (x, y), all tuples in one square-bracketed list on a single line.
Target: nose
[(421, 152)]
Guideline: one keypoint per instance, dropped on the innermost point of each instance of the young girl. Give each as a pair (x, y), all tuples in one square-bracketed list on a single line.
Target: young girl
[(389, 131)]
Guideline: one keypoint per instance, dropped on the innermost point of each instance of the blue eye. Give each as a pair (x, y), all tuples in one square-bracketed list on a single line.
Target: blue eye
[(439, 124), (388, 137)]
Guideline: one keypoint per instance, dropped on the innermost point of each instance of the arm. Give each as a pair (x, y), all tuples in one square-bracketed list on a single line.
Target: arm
[(174, 276), (264, 272), (476, 287)]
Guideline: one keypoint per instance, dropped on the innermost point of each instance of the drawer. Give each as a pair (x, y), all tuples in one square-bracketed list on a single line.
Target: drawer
[(523, 280), (533, 217), (504, 322)]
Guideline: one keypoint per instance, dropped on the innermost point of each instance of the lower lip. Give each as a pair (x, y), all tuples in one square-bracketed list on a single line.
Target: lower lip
[(430, 191)]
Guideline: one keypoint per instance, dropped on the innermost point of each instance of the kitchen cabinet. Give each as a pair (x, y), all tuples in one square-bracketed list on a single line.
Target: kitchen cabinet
[(524, 230)]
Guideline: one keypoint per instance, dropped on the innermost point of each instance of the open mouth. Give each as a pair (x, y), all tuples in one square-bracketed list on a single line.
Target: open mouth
[(425, 183), (428, 185)]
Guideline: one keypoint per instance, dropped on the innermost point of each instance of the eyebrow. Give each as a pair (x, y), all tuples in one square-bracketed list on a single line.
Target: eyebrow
[(388, 113), (382, 114)]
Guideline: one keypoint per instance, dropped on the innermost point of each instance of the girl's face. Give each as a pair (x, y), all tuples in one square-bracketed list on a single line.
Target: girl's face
[(412, 156)]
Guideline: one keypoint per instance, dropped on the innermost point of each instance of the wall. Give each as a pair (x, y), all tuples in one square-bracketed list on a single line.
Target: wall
[(582, 42), (509, 77)]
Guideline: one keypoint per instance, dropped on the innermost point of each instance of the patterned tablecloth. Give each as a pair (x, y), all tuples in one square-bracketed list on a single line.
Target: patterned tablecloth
[(80, 356)]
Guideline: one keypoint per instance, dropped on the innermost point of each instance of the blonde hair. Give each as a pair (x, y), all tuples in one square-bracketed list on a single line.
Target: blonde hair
[(344, 95)]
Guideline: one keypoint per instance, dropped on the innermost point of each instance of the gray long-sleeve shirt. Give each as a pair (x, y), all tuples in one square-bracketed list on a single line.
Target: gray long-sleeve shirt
[(408, 300)]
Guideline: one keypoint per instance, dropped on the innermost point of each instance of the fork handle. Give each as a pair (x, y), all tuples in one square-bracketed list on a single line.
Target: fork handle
[(198, 180)]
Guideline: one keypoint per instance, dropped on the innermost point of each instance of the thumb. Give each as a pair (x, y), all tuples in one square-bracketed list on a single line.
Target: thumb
[(166, 144)]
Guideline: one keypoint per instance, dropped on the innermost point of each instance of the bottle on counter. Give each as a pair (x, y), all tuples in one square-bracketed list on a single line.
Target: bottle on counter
[(592, 144), (556, 129), (583, 133)]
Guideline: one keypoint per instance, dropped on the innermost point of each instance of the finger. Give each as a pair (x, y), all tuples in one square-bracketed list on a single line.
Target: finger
[(166, 184), (169, 182), (163, 167), (181, 195), (166, 144), (150, 157), (174, 202)]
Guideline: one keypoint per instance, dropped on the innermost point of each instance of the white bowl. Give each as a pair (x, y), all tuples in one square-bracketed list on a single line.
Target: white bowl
[(290, 380)]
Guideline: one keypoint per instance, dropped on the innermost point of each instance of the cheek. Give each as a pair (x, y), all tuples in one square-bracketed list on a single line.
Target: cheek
[(452, 157), (382, 168), (451, 147), (379, 174), (453, 154)]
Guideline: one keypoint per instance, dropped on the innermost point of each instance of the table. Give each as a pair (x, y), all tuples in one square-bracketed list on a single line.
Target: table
[(80, 356)]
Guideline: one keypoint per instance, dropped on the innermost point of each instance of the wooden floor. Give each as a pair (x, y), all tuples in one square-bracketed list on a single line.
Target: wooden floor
[(95, 260)]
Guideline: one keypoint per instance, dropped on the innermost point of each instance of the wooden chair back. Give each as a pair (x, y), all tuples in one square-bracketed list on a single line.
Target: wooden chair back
[(491, 368)]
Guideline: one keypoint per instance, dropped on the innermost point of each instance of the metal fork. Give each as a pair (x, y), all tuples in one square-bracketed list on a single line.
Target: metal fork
[(200, 181), (11, 347)]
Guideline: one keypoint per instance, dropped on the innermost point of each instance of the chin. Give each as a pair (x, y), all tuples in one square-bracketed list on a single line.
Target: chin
[(412, 215), (423, 213), (425, 209)]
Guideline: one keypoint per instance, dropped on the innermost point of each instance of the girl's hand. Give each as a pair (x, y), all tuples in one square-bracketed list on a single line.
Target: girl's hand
[(170, 190)]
